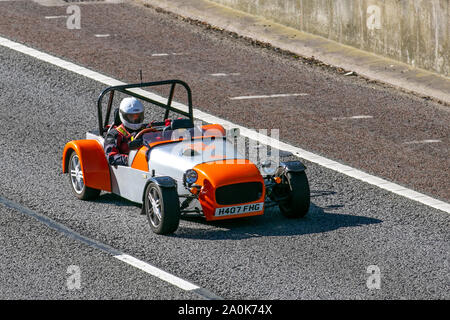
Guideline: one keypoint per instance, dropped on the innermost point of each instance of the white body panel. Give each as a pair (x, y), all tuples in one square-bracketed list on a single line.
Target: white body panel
[(92, 136), (166, 160), (128, 183), (169, 160)]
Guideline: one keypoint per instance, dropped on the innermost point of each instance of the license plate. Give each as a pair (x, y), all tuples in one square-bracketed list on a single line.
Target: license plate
[(245, 208)]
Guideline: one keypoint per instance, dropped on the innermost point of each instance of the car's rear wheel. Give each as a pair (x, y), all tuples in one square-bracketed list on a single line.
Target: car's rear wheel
[(297, 191), (76, 178), (162, 208)]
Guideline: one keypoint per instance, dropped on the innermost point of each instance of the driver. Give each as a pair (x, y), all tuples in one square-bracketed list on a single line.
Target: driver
[(120, 140)]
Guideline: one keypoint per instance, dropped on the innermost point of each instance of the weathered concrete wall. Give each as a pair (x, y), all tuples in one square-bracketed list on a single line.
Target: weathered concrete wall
[(413, 31)]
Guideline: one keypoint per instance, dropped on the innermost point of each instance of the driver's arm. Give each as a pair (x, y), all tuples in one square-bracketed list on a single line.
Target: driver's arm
[(112, 151)]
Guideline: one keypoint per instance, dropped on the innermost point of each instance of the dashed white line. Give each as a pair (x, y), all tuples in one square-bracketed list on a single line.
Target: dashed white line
[(282, 95), (161, 274), (423, 141), (55, 17), (139, 264), (102, 35), (224, 74), (354, 117), (166, 54), (245, 132)]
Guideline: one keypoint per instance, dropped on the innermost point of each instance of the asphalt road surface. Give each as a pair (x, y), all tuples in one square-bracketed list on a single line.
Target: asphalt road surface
[(351, 225), (389, 140)]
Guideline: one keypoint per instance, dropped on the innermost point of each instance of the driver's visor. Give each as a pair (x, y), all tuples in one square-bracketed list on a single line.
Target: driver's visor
[(133, 118)]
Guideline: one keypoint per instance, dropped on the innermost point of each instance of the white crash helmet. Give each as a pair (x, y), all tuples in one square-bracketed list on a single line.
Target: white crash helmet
[(131, 112)]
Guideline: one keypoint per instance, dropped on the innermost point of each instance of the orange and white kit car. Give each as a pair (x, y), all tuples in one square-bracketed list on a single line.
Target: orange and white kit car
[(182, 168)]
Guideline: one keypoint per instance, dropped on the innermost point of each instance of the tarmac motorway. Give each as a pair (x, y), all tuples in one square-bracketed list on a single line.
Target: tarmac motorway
[(351, 225)]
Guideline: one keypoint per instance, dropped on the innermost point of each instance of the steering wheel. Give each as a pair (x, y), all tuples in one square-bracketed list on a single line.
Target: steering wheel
[(144, 131)]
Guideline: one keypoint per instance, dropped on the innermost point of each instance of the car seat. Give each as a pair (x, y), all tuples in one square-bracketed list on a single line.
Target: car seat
[(177, 124)]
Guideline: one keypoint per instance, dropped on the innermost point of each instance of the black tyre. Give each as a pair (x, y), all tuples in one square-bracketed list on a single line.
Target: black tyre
[(76, 179), (162, 207), (297, 188)]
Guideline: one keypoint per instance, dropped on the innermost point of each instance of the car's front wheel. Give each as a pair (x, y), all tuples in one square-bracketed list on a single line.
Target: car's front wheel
[(162, 207), (76, 177), (297, 193)]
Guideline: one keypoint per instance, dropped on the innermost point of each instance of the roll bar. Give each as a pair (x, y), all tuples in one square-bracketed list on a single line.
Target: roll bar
[(134, 90)]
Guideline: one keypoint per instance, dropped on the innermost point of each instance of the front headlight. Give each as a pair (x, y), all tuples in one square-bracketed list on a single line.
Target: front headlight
[(190, 177), (269, 167)]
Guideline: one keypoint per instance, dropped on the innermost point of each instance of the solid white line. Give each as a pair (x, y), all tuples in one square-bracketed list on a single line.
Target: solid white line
[(283, 95), (102, 35), (154, 271), (245, 132)]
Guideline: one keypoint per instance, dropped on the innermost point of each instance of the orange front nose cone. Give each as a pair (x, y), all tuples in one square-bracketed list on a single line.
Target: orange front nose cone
[(231, 186)]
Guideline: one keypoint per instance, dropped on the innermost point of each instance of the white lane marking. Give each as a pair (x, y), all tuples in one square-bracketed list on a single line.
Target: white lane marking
[(55, 17), (166, 54), (139, 264), (354, 117), (282, 95), (245, 132), (161, 274), (423, 141), (224, 74), (102, 35)]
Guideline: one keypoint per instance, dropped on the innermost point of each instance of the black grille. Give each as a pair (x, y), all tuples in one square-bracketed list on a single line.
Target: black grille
[(239, 193)]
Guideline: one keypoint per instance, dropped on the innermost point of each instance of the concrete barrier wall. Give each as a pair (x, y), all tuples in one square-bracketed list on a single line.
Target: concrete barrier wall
[(413, 31)]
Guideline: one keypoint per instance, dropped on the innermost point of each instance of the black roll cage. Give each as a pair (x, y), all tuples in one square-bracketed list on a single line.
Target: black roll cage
[(126, 89)]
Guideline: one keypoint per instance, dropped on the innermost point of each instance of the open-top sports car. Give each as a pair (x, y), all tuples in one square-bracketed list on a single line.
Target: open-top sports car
[(182, 168)]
